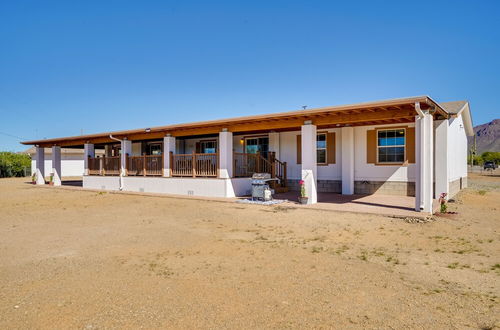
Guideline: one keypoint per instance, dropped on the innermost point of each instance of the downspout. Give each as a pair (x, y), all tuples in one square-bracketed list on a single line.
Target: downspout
[(419, 110), (121, 173), (420, 166)]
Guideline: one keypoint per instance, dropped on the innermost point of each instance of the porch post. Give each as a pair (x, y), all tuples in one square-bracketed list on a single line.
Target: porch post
[(107, 150), (347, 160), (274, 143), (225, 154), (56, 165), (309, 162), (168, 146), (424, 163), (441, 155), (40, 165), (126, 147), (88, 151)]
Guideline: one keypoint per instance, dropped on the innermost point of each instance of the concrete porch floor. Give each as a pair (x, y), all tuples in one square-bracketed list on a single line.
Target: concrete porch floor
[(391, 205)]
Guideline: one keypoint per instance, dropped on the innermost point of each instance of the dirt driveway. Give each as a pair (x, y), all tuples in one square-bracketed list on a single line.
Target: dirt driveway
[(81, 259)]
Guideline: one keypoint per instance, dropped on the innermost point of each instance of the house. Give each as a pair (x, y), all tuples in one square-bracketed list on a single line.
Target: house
[(72, 164), (408, 146)]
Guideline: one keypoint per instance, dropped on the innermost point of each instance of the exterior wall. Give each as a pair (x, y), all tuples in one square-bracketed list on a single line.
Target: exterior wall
[(371, 172), (368, 178), (101, 182), (136, 149), (177, 186), (71, 165), (457, 185), (288, 153), (457, 150)]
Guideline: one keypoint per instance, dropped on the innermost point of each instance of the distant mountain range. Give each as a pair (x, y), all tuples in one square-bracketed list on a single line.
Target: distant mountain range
[(487, 137)]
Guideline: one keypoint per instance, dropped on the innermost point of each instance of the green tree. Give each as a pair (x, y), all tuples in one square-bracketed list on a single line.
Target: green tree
[(12, 164), (490, 156)]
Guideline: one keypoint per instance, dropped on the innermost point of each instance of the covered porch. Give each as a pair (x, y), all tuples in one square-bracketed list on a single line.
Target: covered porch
[(216, 158)]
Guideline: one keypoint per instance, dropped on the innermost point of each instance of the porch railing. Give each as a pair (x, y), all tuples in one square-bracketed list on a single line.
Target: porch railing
[(146, 165), (104, 165), (194, 165), (111, 165), (245, 165), (94, 165)]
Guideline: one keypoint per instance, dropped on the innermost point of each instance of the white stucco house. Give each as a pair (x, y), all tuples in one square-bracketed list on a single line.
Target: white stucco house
[(72, 164), (411, 146)]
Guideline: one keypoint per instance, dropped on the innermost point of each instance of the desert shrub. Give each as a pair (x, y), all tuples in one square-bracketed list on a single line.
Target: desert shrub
[(12, 164)]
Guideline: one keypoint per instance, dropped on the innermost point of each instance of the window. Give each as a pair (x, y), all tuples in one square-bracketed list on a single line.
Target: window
[(208, 147), (321, 148), (154, 148), (257, 144), (391, 146)]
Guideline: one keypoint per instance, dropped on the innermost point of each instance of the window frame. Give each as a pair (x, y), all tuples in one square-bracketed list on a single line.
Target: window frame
[(325, 148), (202, 150), (403, 145)]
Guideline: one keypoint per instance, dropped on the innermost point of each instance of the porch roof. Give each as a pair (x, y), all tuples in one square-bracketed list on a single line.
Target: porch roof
[(401, 110)]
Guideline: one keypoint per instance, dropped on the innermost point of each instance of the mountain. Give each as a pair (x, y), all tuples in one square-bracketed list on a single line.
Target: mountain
[(487, 137)]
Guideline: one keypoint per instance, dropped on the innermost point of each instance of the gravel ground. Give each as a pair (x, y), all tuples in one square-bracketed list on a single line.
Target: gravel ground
[(81, 259)]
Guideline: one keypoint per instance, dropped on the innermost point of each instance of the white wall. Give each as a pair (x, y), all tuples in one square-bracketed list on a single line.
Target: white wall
[(362, 170), (177, 186), (371, 172), (136, 149), (288, 153), (71, 164), (457, 149)]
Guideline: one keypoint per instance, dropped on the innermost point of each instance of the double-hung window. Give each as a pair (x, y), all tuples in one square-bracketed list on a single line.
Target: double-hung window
[(321, 148), (391, 145)]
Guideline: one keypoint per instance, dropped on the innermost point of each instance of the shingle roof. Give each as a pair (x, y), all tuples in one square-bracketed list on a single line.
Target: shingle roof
[(453, 107)]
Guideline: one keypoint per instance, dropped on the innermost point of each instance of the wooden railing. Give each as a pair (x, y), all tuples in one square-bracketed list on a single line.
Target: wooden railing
[(190, 165), (111, 165), (94, 165), (245, 165), (194, 165), (146, 165), (104, 165)]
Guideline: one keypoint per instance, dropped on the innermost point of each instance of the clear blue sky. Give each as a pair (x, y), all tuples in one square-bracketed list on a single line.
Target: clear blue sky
[(93, 66)]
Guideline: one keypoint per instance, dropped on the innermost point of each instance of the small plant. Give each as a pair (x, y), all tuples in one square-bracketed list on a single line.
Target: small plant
[(302, 188), (482, 192), (303, 195), (443, 202), (51, 179), (33, 178)]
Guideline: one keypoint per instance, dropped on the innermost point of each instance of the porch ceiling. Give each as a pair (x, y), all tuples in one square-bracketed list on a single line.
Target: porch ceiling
[(371, 113)]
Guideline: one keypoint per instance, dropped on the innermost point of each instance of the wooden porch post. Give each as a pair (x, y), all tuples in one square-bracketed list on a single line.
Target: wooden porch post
[(103, 165), (144, 165), (171, 161), (193, 163)]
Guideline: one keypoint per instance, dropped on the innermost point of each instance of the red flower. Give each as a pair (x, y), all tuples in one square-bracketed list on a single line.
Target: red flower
[(301, 182)]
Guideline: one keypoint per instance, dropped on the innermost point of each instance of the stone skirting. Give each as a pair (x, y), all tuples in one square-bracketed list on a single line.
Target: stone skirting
[(334, 186), (398, 188), (363, 187)]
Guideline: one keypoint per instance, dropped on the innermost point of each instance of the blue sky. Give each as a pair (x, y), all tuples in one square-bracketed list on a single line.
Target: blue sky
[(90, 66)]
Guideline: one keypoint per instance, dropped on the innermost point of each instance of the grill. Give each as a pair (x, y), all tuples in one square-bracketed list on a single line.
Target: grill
[(260, 187)]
